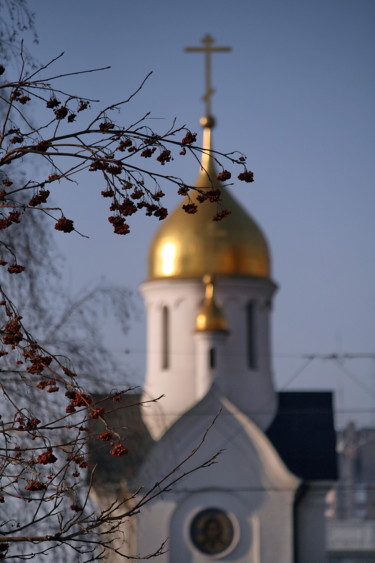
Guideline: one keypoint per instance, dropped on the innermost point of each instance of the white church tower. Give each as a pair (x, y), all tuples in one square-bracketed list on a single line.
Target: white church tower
[(187, 349)]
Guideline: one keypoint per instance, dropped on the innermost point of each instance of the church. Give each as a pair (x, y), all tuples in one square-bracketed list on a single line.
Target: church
[(247, 468)]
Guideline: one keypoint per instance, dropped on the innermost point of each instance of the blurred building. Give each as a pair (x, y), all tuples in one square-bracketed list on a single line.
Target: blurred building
[(351, 503)]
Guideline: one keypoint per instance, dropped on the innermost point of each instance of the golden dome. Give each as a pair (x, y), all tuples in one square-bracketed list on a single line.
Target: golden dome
[(192, 245), (210, 317)]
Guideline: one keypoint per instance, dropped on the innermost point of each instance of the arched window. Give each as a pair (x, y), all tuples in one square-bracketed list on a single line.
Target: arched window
[(165, 336), (251, 336), (212, 358)]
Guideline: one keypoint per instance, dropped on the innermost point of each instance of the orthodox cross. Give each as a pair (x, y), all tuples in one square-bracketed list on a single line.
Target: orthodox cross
[(208, 49)]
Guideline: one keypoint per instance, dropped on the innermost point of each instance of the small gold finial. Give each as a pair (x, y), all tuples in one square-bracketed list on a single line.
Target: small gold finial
[(208, 121), (210, 317), (208, 49)]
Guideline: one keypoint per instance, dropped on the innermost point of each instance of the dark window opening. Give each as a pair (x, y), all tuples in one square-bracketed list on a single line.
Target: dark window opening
[(212, 358), (251, 336), (165, 338)]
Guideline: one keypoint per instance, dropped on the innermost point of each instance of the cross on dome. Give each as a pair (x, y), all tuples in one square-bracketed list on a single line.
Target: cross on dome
[(208, 49)]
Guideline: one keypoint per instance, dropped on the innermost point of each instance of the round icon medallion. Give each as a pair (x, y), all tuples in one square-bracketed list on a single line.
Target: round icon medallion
[(211, 531)]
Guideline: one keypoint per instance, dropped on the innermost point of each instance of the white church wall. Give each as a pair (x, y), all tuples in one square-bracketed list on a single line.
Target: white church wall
[(276, 526), (311, 527), (178, 382), (184, 381), (251, 389), (249, 485), (152, 528), (262, 525), (206, 374)]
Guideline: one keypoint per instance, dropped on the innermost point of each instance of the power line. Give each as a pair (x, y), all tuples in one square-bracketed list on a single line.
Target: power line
[(276, 355), (316, 488), (331, 356), (263, 412), (354, 378)]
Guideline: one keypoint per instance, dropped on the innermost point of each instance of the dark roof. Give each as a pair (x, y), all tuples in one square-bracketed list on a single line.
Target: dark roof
[(303, 433)]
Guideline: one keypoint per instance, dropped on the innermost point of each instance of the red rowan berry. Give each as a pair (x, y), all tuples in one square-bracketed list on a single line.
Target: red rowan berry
[(16, 269), (224, 175), (190, 208), (65, 225), (105, 436), (189, 138), (118, 451), (246, 176), (61, 112), (52, 103)]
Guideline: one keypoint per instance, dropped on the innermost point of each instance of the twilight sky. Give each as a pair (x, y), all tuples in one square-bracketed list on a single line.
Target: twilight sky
[(296, 95)]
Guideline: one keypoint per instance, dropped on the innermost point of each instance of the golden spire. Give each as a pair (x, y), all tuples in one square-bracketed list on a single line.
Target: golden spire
[(210, 317), (208, 49)]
